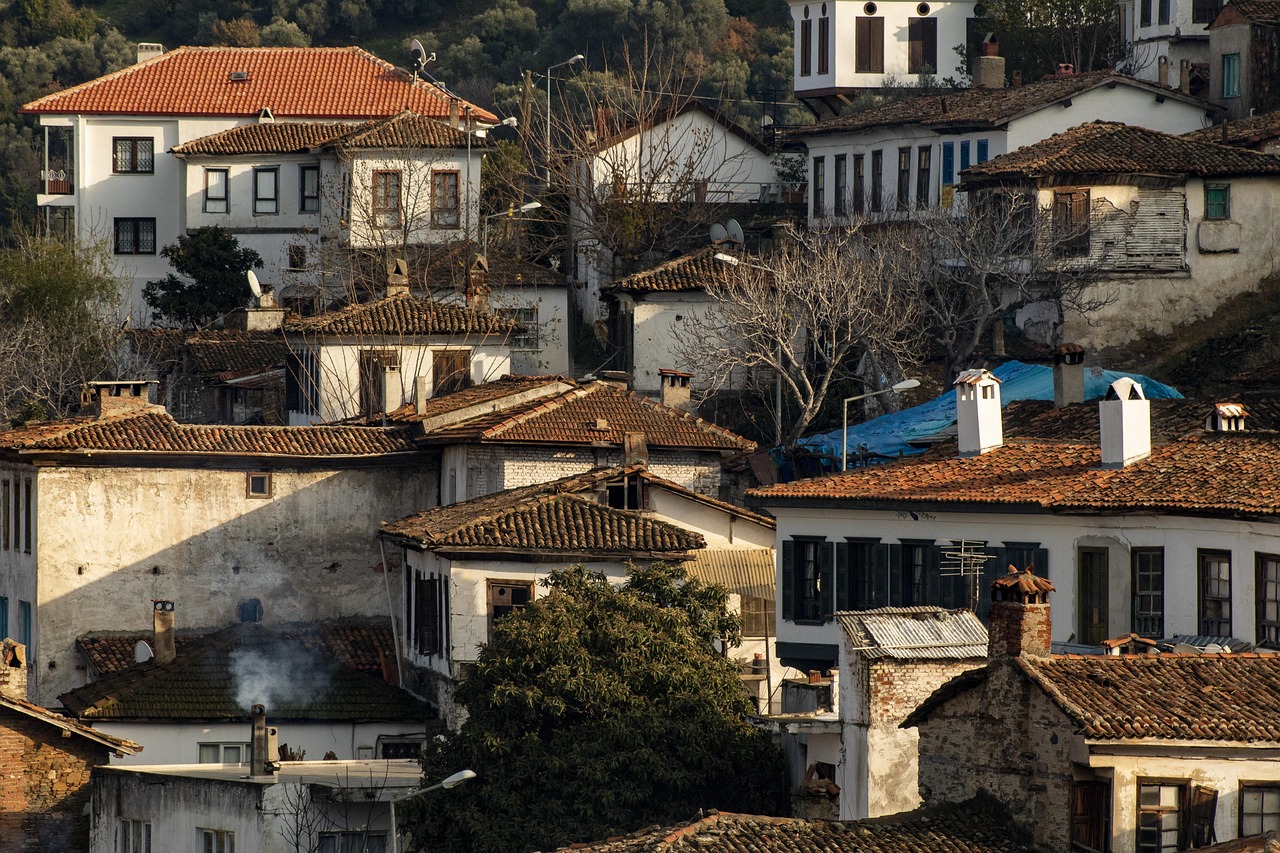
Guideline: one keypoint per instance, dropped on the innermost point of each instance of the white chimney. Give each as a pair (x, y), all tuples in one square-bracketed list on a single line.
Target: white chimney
[(978, 412), (419, 393), (149, 50), (1124, 420)]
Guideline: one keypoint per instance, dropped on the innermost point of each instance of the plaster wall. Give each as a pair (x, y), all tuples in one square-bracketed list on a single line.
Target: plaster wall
[(1236, 37), (111, 539), (719, 528), (663, 323), (550, 355), (416, 167), (1126, 103), (492, 468), (179, 742)]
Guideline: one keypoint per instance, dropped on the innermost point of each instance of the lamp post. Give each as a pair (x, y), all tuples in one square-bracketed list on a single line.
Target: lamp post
[(547, 153), (904, 385), (451, 782), (777, 374), (510, 213)]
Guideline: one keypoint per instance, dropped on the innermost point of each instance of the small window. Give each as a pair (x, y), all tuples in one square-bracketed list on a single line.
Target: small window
[(1164, 11), (386, 199), (808, 580), (1231, 75), (924, 165), (922, 45), (868, 47), (266, 191), (757, 617), (806, 48), (28, 525), (297, 257), (627, 493), (1268, 593), (133, 155), (904, 178), (135, 236), (819, 186), (526, 337), (841, 184), (258, 484), (1204, 11), (224, 753), (1160, 808), (1144, 13), (1217, 201), (877, 181), (1071, 223), (4, 513), (445, 201), (4, 616), (824, 45), (450, 371), (135, 836), (859, 184), (1148, 591), (1259, 809), (1215, 593), (309, 181), (215, 191), (507, 597), (217, 841), (429, 599), (24, 624)]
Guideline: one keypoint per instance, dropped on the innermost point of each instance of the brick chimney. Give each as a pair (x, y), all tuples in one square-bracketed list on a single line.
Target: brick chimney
[(1124, 421), (478, 284), (123, 397), (1019, 618), (676, 390), (264, 746), (978, 424), (163, 645), (1068, 375), (13, 669)]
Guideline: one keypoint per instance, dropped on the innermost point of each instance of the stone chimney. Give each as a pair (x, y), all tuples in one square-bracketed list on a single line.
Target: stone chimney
[(261, 318), (988, 70), (13, 669), (676, 390), (163, 645), (1068, 375), (1019, 622), (1124, 421), (455, 114), (1162, 72), (1184, 76), (1226, 417), (978, 424), (478, 284), (635, 450), (124, 397), (149, 50), (397, 277), (264, 746), (420, 395)]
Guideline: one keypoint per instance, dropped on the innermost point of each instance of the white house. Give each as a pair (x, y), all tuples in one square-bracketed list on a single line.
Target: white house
[(108, 511), (469, 563), (909, 153), (1167, 41), (1159, 540), (1169, 227), (108, 174)]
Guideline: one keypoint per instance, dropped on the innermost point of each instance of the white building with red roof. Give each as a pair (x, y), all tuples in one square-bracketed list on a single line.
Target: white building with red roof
[(110, 172)]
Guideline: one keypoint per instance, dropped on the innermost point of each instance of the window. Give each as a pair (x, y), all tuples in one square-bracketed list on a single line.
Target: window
[(1144, 13), (386, 199), (353, 842), (4, 514), (1071, 223), (26, 516), (526, 337), (757, 617), (297, 257), (877, 181), (506, 597), (984, 150), (1091, 815), (309, 184), (133, 155), (266, 191), (4, 616), (626, 493), (224, 753), (257, 484), (1148, 591), (862, 578), (1164, 11), (429, 597), (444, 200), (135, 836), (868, 47), (217, 841), (1215, 593), (922, 45), (842, 184), (807, 580), (1268, 592), (948, 164), (1259, 809), (806, 48), (1159, 816), (1230, 75), (399, 747), (17, 513), (302, 382), (824, 46), (215, 191), (1204, 11), (24, 623), (965, 162), (135, 236), (375, 368), (1092, 605), (924, 164), (1217, 201), (904, 178), (819, 186), (859, 185), (450, 371)]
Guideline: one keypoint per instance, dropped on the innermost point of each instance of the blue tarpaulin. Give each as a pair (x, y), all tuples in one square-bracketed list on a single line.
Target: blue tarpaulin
[(891, 435)]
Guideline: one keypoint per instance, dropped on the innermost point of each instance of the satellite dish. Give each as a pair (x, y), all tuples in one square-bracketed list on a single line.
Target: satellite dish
[(735, 231), (254, 287), (142, 652), (419, 55), (718, 233)]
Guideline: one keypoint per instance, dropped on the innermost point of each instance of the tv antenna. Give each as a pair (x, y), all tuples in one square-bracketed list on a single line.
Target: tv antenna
[(964, 558), (735, 232), (254, 287), (718, 233), (730, 233)]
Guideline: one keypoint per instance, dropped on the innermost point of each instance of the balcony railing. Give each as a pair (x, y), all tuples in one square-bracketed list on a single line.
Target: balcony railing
[(57, 181)]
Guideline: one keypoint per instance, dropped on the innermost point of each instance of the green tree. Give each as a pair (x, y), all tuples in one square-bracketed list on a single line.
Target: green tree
[(213, 266), (596, 711)]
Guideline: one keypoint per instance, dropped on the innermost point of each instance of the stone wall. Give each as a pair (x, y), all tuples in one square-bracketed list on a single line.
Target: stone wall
[(491, 469)]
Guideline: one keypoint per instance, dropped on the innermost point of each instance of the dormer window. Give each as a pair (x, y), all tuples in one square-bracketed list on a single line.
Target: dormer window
[(626, 493), (1226, 417)]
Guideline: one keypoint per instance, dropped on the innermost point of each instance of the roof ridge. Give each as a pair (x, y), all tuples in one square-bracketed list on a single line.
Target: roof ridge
[(545, 404)]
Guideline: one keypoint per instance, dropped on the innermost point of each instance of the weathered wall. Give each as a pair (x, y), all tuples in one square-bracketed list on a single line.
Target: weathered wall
[(177, 809), (491, 468)]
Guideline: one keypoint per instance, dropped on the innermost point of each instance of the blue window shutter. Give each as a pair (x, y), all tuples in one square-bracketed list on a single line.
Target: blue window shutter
[(982, 151), (964, 155), (948, 163)]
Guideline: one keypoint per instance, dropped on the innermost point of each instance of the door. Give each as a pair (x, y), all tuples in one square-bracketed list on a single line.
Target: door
[(1091, 816), (1092, 598)]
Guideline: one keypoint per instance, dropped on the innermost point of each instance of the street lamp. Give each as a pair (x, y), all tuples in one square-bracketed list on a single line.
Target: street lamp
[(904, 385), (451, 782), (510, 213), (576, 58)]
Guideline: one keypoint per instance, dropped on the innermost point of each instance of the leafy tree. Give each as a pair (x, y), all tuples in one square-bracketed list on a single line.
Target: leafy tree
[(213, 266), (597, 711), (282, 33)]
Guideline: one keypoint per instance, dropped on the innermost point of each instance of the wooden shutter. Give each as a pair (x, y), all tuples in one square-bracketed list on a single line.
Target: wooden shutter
[(915, 45), (897, 579), (451, 370), (788, 579), (1040, 560), (826, 578), (844, 583), (1196, 826), (929, 43), (869, 46)]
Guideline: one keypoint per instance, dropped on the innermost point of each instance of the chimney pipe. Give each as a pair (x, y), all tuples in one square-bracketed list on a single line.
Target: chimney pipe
[(676, 391), (162, 627), (478, 285), (1019, 618), (978, 416), (1184, 76), (1017, 79), (419, 393), (1162, 72), (1124, 422), (264, 758), (397, 277), (122, 397), (1068, 375)]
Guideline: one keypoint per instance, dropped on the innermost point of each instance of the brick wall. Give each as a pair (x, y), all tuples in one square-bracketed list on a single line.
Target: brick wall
[(1018, 628), (43, 786)]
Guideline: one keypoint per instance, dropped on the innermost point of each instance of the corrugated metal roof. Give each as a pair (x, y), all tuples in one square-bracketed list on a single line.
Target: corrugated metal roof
[(745, 571), (915, 633)]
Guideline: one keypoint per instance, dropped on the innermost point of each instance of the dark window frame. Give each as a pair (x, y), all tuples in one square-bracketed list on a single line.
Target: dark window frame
[(308, 202), (1263, 786), (1085, 626), (1267, 599), (496, 609), (1071, 223), (859, 184), (1144, 616), (903, 200), (258, 484), (824, 45), (924, 174), (1164, 12), (922, 45), (808, 575), (388, 198), (263, 204), (868, 57), (444, 214), (819, 177), (877, 181), (1213, 608), (1204, 11), (840, 201), (1179, 810), (1144, 13), (137, 228), (447, 378), (1231, 81), (806, 48), (139, 157), (1217, 201), (212, 202)]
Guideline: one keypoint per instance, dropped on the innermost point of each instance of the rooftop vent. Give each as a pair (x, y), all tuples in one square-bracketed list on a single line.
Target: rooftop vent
[(149, 50), (265, 116), (1226, 417), (238, 76)]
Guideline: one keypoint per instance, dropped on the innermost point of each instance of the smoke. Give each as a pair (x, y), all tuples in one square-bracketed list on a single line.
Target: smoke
[(278, 677)]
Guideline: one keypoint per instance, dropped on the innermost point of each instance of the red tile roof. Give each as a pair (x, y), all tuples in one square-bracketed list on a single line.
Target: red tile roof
[(402, 131), (155, 431), (452, 269), (1258, 11), (1245, 132), (402, 315), (68, 725), (688, 272), (293, 82), (593, 414), (1101, 148), (1217, 474), (486, 398)]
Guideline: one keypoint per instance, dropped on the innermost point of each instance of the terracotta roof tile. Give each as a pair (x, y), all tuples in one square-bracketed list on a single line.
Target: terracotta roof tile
[(68, 725), (156, 432), (688, 272), (292, 137), (487, 397), (1245, 132), (226, 354), (201, 684), (405, 130), (963, 828), (311, 82), (1258, 11), (592, 414), (402, 315), (1109, 148)]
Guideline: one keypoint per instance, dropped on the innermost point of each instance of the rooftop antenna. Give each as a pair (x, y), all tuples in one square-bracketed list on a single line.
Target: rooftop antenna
[(718, 234), (142, 652), (734, 230), (254, 287), (965, 558)]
